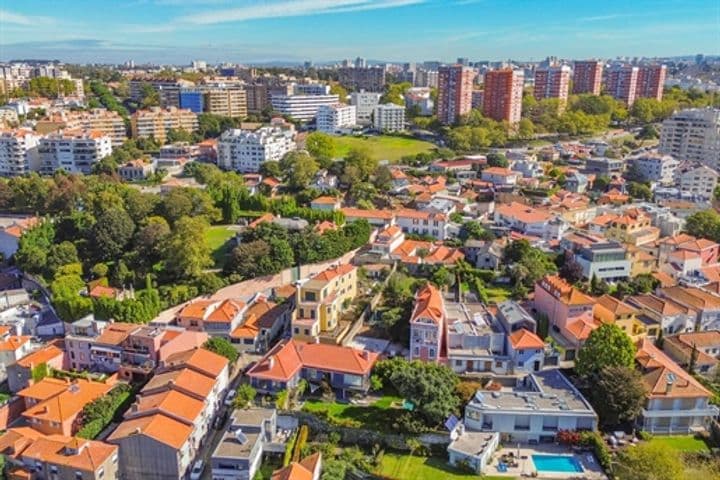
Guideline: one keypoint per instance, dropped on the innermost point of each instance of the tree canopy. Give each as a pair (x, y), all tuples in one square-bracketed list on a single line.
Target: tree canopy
[(607, 346)]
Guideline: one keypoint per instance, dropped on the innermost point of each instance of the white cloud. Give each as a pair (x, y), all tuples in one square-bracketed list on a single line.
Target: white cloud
[(13, 18), (289, 8)]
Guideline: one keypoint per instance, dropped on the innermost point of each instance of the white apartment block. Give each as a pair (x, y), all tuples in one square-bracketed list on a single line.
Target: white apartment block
[(365, 103), (74, 151), (389, 118), (699, 181), (156, 122), (301, 107), (245, 150), (18, 152), (656, 168), (693, 134), (334, 119)]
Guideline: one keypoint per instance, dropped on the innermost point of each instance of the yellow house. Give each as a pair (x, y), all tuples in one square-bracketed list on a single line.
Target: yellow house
[(321, 299), (609, 309), (633, 228), (640, 261)]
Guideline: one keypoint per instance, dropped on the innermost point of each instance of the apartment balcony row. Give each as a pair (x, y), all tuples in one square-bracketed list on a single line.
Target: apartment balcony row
[(709, 411)]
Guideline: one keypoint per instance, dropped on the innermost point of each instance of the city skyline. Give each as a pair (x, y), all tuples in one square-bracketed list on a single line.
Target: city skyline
[(175, 31)]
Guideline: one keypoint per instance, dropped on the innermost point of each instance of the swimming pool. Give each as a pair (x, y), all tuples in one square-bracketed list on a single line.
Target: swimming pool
[(556, 463)]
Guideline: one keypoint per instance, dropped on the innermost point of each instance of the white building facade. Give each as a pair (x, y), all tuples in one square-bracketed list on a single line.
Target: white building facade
[(18, 152), (389, 118), (73, 152), (334, 119), (693, 134), (245, 150), (364, 103)]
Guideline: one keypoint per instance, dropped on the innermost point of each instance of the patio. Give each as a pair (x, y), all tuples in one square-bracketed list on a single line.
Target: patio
[(519, 462)]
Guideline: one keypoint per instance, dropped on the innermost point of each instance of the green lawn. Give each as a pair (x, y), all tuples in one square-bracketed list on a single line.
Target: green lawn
[(681, 443), (379, 415), (497, 294), (406, 467), (382, 147), (218, 238)]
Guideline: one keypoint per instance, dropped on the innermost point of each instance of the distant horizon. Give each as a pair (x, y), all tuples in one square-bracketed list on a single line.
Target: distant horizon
[(293, 31)]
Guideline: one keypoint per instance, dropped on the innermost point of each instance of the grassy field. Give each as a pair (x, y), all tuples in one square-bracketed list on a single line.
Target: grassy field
[(218, 238), (406, 467), (681, 443), (377, 416), (497, 294), (382, 147)]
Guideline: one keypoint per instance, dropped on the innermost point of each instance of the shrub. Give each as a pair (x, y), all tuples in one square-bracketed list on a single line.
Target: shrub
[(289, 448), (300, 443), (646, 436), (568, 437), (594, 440)]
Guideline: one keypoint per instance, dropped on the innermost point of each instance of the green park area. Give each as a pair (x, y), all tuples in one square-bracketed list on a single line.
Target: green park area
[(382, 147), (378, 415), (681, 443), (410, 467), (218, 239)]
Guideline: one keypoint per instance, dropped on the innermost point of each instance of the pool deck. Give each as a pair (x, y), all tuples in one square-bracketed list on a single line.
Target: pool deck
[(592, 470)]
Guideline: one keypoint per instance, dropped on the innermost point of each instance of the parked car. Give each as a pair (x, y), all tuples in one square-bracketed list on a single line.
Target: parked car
[(197, 470), (229, 398)]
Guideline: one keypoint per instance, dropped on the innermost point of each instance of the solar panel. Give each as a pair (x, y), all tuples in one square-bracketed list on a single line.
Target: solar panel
[(240, 437), (451, 422)]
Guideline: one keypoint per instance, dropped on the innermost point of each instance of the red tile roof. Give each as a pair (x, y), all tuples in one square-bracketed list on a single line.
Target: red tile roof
[(524, 339), (428, 304)]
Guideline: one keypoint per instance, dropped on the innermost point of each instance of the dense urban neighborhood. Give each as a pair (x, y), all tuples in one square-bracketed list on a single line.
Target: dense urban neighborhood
[(360, 269)]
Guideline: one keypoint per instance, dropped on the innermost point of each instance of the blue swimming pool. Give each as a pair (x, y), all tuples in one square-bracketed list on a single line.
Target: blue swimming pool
[(556, 463)]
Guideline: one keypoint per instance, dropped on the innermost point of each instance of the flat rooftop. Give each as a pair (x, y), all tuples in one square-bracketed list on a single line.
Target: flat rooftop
[(472, 443), (251, 416), (231, 447), (545, 391), (470, 319)]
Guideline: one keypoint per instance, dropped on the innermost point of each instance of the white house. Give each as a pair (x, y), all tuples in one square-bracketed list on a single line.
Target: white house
[(245, 150), (501, 177), (535, 408)]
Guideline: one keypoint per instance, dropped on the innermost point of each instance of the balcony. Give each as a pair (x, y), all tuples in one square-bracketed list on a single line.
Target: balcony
[(709, 411)]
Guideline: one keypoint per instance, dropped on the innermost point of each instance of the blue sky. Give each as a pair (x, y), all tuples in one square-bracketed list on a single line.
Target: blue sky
[(177, 31)]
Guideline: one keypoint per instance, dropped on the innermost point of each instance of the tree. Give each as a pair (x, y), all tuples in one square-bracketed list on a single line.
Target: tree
[(640, 190), (617, 394), (442, 277), (149, 96), (244, 396), (497, 160), (598, 286), (222, 347), (111, 234), (649, 461), (607, 346), (473, 230), (300, 169), (601, 183), (150, 238), (430, 387), (362, 161), (60, 254), (704, 224), (178, 135), (271, 168), (394, 93), (33, 248), (339, 90), (570, 269), (693, 359), (648, 132), (187, 254)]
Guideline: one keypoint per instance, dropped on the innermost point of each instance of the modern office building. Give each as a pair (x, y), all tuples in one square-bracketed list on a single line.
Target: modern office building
[(502, 100), (73, 151), (156, 122), (607, 261), (371, 79), (693, 134), (621, 83), (245, 150), (389, 117), (18, 152), (335, 119), (587, 77), (455, 85), (552, 82), (651, 81), (364, 103)]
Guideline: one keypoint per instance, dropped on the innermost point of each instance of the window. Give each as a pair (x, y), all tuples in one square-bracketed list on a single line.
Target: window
[(432, 353)]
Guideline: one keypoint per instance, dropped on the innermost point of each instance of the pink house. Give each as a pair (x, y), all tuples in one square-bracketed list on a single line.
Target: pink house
[(561, 302), (427, 325)]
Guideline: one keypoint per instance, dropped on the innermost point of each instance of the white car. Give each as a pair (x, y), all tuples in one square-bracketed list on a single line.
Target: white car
[(230, 398), (197, 470)]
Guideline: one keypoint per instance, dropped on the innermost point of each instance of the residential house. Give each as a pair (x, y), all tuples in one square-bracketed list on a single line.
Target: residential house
[(12, 349), (633, 227), (526, 351), (251, 433), (20, 373), (486, 255), (79, 336), (576, 182), (216, 317), (418, 252), (473, 450), (705, 304), (264, 322), (309, 468), (387, 240), (10, 235), (705, 345), (606, 261), (672, 316), (676, 403), (321, 299), (641, 262), (427, 325), (32, 455), (166, 427), (534, 409), (609, 309), (376, 218), (345, 369), (529, 221), (419, 222), (326, 204), (501, 177), (513, 317), (53, 405), (136, 170)]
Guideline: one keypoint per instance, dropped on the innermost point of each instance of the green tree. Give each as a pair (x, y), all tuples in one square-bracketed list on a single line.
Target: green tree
[(704, 224), (60, 254), (394, 93), (187, 254), (607, 346), (339, 90), (640, 191), (245, 394), (300, 169), (111, 234), (223, 348), (149, 96), (362, 162), (649, 461), (497, 160), (270, 168), (150, 238), (617, 394), (178, 135), (33, 248)]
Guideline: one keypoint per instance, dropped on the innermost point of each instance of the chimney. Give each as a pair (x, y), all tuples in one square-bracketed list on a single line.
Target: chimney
[(365, 354), (271, 361)]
